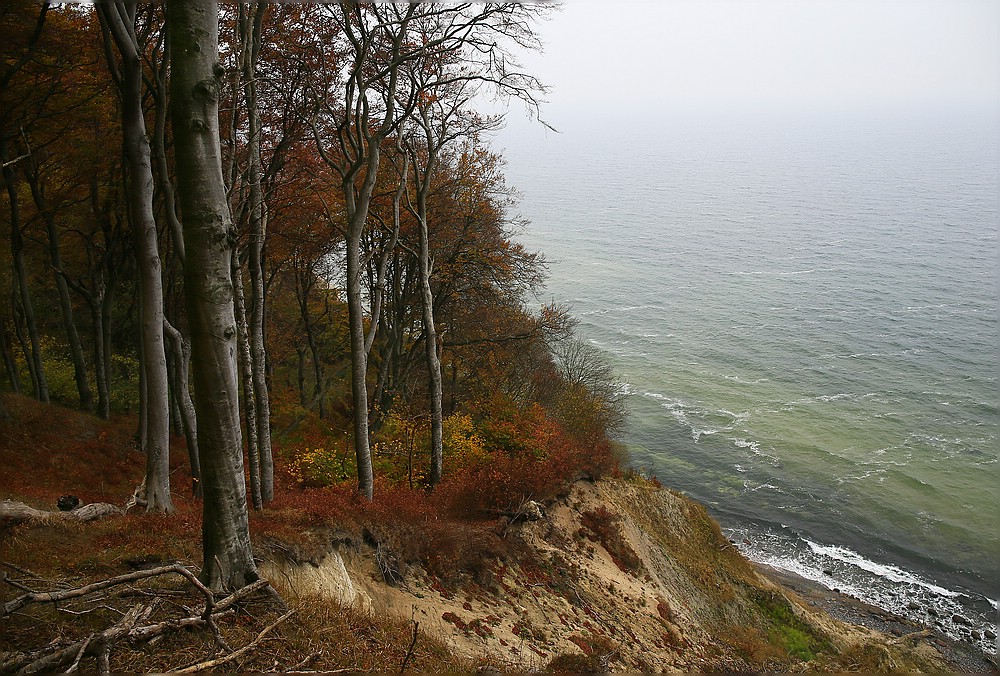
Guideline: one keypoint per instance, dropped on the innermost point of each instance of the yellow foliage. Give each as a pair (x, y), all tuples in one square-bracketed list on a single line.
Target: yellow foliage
[(463, 445), (321, 467)]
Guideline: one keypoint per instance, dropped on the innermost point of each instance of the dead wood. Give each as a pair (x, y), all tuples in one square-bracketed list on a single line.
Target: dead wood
[(13, 512), (210, 664), (134, 626), (409, 650), (64, 595)]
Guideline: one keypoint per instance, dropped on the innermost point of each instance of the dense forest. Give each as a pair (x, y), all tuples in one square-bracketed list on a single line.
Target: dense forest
[(276, 238)]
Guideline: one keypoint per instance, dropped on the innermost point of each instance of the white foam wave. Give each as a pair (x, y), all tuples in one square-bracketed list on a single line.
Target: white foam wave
[(748, 486), (609, 310), (742, 381), (887, 571)]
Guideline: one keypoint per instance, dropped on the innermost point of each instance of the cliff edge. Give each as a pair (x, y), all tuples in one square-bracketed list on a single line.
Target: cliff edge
[(617, 575)]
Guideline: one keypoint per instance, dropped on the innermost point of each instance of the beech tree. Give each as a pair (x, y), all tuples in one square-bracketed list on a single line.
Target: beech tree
[(442, 116), (118, 20), (250, 20), (376, 98), (209, 237), (36, 180), (22, 27)]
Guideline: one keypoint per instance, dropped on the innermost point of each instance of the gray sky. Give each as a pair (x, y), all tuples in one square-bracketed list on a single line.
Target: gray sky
[(707, 54)]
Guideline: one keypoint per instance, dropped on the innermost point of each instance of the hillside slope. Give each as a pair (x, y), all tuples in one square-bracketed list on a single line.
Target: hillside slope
[(618, 575)]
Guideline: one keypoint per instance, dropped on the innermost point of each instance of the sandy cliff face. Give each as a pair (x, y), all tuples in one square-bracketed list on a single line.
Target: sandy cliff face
[(617, 575)]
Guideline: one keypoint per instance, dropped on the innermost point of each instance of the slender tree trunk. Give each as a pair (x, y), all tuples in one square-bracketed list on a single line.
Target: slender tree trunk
[(10, 365), (33, 355), (160, 155), (100, 278), (176, 425), (249, 402), (119, 20), (181, 351), (301, 352), (360, 140), (209, 237), (107, 307), (84, 392), (303, 287), (94, 301), (431, 350), (100, 367), (251, 21), (359, 364)]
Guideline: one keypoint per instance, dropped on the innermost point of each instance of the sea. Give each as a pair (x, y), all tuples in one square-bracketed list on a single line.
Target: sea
[(803, 309)]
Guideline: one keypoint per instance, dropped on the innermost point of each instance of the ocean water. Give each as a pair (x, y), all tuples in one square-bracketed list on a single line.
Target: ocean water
[(805, 311)]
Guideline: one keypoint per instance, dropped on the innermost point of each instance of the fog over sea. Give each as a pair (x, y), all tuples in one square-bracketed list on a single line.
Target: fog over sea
[(804, 308)]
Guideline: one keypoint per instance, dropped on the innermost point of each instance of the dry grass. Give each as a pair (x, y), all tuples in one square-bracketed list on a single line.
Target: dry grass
[(320, 635), (49, 451)]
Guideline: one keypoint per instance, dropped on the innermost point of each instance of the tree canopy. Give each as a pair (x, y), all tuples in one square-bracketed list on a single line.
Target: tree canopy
[(278, 236)]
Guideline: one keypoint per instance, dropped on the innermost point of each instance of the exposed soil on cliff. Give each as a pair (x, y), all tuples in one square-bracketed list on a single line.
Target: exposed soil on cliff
[(618, 575), (614, 575)]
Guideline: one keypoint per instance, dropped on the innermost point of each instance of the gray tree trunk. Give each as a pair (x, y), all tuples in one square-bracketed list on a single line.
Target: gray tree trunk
[(181, 350), (79, 362), (250, 26), (119, 20), (32, 351), (209, 236), (431, 347), (107, 310), (249, 402), (359, 361), (100, 367), (377, 36)]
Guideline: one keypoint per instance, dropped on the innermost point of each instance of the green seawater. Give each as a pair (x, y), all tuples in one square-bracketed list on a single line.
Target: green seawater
[(805, 311)]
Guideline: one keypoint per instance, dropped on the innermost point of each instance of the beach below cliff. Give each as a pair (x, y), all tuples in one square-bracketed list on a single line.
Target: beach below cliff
[(961, 655)]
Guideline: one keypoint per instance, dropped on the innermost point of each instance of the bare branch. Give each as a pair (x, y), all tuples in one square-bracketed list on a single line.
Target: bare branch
[(52, 597), (209, 664)]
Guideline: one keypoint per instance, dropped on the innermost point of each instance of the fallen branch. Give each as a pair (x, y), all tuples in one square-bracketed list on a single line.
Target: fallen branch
[(79, 655), (131, 627), (92, 644), (13, 512), (51, 597), (14, 583), (22, 571), (306, 660), (209, 664), (409, 651)]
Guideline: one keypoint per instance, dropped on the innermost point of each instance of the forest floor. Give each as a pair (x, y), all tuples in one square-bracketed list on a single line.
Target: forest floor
[(614, 575)]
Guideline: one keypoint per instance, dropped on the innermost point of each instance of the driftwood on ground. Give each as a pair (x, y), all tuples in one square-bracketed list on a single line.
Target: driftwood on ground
[(12, 512)]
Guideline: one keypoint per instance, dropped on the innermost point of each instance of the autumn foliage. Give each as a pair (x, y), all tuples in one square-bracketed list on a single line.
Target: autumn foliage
[(525, 412)]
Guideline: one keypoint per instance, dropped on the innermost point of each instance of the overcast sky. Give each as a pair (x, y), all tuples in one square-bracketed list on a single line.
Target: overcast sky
[(710, 54)]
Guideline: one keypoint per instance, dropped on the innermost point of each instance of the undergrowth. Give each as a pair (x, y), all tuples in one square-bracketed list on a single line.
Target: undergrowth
[(604, 526), (796, 637)]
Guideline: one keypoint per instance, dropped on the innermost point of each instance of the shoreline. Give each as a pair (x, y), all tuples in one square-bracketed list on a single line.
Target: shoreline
[(962, 656)]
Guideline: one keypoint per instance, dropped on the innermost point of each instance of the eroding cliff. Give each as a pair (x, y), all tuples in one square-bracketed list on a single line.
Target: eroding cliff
[(617, 575)]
